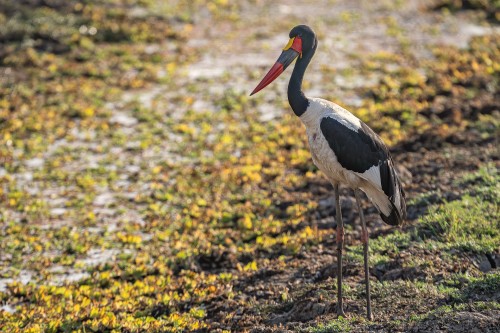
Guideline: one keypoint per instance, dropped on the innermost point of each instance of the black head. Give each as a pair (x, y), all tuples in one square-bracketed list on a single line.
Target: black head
[(302, 42), (307, 35)]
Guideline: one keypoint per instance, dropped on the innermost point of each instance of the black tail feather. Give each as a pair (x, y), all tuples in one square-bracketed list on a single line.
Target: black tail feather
[(393, 189), (395, 217)]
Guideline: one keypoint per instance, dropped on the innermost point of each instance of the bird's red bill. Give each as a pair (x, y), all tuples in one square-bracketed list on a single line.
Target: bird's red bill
[(273, 73)]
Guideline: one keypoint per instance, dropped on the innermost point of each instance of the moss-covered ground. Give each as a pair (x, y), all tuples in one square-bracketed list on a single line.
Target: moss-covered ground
[(142, 190)]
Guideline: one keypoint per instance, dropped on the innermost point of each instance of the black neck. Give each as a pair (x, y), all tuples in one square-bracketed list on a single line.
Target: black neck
[(298, 101)]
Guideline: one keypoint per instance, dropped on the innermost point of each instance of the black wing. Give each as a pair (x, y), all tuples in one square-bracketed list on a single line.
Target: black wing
[(355, 151), (360, 150)]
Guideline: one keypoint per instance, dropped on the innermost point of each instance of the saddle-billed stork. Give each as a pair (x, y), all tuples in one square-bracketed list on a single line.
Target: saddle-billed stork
[(344, 148)]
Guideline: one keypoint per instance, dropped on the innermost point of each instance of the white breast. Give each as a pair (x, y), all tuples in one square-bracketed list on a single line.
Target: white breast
[(323, 156)]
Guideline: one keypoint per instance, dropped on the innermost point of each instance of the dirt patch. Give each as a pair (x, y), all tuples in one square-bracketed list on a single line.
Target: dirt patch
[(304, 310), (462, 321)]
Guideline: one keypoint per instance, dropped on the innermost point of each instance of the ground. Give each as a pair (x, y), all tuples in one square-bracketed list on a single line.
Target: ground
[(144, 190)]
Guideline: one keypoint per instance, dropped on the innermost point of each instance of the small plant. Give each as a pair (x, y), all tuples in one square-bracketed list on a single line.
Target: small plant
[(472, 222), (339, 325)]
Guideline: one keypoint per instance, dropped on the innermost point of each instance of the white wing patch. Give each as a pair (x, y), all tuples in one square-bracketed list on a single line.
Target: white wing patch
[(372, 175), (379, 199), (374, 189)]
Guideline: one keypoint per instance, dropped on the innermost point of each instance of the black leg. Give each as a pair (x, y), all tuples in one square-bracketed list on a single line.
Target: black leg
[(364, 239), (340, 245)]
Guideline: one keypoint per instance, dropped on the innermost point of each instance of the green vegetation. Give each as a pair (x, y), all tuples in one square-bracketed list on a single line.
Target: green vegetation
[(473, 222), (335, 326), (470, 288)]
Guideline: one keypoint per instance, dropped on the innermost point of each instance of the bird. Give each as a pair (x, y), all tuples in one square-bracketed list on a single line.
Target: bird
[(344, 148)]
